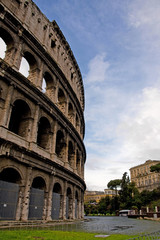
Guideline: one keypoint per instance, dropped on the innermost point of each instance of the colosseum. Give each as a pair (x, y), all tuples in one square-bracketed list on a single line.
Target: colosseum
[(42, 154)]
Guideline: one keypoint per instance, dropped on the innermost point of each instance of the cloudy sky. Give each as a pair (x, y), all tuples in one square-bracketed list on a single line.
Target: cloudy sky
[(117, 46)]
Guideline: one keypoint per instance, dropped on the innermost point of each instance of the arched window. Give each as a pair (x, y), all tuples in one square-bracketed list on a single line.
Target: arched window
[(10, 175), (47, 84), (70, 113), (20, 116), (3, 48), (60, 144), (24, 67), (36, 203), (44, 130), (39, 183), (6, 43), (77, 122), (78, 162), (70, 153), (28, 66), (61, 100), (56, 201), (9, 193)]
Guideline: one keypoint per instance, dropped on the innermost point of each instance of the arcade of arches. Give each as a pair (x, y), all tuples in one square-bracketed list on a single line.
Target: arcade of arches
[(42, 154)]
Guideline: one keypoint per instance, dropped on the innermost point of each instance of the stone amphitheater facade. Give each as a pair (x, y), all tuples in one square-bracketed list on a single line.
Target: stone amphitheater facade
[(42, 154)]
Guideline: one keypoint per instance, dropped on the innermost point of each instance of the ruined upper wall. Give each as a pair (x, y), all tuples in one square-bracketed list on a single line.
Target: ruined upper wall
[(49, 35)]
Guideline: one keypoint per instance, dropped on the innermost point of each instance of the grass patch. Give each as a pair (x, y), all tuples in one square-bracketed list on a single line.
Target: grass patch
[(54, 235)]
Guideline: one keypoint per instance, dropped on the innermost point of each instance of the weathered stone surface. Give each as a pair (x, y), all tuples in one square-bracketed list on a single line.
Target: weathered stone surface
[(41, 130)]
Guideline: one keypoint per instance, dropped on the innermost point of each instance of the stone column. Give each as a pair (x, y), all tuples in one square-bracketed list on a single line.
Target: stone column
[(26, 195), (53, 141), (19, 205), (73, 204), (49, 198), (66, 152), (5, 117), (39, 76), (64, 200), (35, 125), (16, 58)]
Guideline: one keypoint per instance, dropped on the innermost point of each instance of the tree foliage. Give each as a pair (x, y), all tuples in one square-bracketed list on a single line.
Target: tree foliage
[(155, 168), (128, 198)]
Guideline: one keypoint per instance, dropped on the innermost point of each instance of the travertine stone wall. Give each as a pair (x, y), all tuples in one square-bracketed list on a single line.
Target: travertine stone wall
[(41, 131)]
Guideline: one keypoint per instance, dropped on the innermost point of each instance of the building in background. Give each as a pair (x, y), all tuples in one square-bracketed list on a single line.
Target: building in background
[(42, 154), (143, 177), (96, 196)]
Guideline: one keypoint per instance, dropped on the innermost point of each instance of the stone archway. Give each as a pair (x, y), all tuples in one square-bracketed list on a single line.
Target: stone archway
[(36, 203), (9, 193), (19, 120), (56, 201)]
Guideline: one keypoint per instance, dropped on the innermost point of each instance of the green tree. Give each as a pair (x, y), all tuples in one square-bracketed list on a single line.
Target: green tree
[(114, 184), (155, 168)]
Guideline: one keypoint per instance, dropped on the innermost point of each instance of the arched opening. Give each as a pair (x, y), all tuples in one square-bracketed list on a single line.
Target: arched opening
[(60, 144), (24, 67), (61, 100), (43, 135), (78, 162), (56, 201), (36, 203), (10, 175), (28, 66), (69, 204), (76, 204), (9, 193), (77, 122), (70, 113), (20, 116), (6, 43), (3, 48), (47, 84), (70, 153)]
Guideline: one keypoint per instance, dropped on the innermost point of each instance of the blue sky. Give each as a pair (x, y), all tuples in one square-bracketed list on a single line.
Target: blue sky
[(117, 46)]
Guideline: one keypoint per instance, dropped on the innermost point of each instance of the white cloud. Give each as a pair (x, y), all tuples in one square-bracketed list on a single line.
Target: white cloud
[(123, 129), (97, 69)]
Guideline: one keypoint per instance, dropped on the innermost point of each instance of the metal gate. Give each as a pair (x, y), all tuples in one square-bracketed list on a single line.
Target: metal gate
[(8, 200), (76, 208), (67, 207), (56, 198), (36, 204)]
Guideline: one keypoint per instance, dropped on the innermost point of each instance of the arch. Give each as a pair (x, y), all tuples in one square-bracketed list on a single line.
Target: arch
[(56, 201), (69, 203), (70, 153), (10, 175), (28, 65), (57, 188), (61, 100), (60, 144), (39, 183), (9, 193), (7, 38), (36, 201), (78, 161), (43, 135), (20, 116), (6, 44), (77, 122), (70, 112), (48, 79)]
